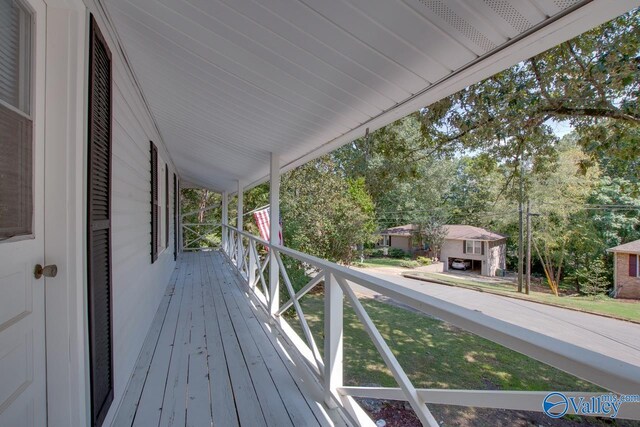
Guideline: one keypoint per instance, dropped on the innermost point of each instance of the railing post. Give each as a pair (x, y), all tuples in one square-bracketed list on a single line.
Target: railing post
[(239, 226), (225, 221), (251, 277), (274, 234), (333, 331)]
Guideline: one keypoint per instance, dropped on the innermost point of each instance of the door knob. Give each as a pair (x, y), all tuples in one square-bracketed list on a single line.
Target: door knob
[(46, 271)]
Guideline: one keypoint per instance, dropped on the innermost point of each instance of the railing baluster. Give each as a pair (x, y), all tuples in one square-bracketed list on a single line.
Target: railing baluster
[(274, 282), (416, 402), (302, 292), (303, 321), (333, 336), (252, 264)]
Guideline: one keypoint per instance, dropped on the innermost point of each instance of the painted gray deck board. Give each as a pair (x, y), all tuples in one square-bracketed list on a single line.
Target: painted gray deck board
[(298, 407), (273, 408), (131, 400), (223, 406), (150, 400), (208, 361)]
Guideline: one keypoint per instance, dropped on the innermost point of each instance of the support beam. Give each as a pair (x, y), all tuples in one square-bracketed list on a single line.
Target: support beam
[(239, 225), (333, 332), (274, 231), (225, 221)]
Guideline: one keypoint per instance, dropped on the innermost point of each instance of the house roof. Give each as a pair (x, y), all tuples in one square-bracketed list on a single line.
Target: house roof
[(630, 248), (230, 81), (454, 232), (469, 232), (401, 230)]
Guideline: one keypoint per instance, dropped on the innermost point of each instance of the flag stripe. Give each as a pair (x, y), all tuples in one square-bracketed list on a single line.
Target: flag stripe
[(264, 224)]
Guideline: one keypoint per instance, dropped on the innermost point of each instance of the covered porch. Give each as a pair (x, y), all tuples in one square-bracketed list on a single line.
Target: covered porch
[(212, 358)]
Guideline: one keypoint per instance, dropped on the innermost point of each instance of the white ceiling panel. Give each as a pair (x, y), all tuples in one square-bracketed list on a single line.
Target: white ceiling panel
[(230, 81)]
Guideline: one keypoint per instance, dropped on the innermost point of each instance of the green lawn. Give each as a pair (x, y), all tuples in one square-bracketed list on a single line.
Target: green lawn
[(433, 353), (380, 262), (621, 309)]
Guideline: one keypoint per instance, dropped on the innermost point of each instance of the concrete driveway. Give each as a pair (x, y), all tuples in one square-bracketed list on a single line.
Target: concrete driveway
[(614, 338)]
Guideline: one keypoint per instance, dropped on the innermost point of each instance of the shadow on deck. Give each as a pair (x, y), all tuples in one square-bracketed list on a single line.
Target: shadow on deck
[(210, 359)]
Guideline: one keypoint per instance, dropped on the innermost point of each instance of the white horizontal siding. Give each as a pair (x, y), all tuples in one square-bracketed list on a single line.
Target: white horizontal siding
[(138, 285)]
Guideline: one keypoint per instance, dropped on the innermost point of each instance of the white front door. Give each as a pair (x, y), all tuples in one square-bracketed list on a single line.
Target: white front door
[(22, 331)]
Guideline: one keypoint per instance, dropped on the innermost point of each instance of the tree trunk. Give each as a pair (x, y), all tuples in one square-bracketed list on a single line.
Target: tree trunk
[(203, 204)]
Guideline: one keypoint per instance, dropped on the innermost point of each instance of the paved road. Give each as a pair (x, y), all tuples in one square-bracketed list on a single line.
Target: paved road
[(615, 338)]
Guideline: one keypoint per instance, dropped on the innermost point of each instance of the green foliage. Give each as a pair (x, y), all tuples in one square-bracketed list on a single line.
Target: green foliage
[(594, 279), (423, 260), (324, 213), (396, 253), (297, 273), (373, 253), (194, 202), (406, 263)]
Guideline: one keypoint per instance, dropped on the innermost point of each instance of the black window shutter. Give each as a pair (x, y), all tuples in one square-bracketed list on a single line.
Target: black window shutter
[(633, 265), (154, 203), (99, 226), (175, 217), (166, 206), (482, 247), (464, 246)]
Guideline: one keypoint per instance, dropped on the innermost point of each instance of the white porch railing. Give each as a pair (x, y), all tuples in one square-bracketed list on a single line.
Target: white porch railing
[(193, 233), (243, 251)]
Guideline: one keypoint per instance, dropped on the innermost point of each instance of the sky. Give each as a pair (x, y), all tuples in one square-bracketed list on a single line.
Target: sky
[(560, 127)]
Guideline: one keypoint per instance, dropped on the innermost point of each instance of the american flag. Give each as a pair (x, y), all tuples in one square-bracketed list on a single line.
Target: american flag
[(263, 223)]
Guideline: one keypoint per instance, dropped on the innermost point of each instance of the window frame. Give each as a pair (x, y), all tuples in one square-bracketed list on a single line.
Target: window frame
[(162, 205), (26, 61), (473, 247)]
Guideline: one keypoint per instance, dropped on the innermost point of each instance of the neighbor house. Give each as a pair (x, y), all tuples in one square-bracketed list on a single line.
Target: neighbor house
[(400, 237), (109, 107), (484, 250), (626, 270)]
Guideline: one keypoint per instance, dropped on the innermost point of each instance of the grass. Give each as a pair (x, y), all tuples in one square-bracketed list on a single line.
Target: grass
[(620, 309), (381, 262), (434, 354)]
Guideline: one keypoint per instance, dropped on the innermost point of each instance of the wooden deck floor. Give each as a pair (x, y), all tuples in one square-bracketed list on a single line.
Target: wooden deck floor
[(209, 361)]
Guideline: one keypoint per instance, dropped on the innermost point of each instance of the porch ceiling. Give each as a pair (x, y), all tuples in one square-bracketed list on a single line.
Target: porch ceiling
[(229, 81)]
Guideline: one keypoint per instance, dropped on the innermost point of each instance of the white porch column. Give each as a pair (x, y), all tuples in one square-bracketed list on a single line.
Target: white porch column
[(274, 223), (225, 221), (333, 333), (239, 225)]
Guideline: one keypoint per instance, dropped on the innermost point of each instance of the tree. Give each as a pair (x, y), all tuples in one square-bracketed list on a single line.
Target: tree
[(594, 280), (200, 208), (433, 232), (558, 196), (324, 213)]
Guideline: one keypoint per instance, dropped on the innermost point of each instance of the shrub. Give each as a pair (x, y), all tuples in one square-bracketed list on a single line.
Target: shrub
[(423, 260), (409, 263), (593, 280), (373, 253), (396, 253)]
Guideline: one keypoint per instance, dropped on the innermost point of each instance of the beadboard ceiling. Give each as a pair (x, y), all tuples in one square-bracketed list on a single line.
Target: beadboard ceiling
[(230, 81)]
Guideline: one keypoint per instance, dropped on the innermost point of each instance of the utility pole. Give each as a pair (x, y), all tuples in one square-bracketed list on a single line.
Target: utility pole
[(528, 282), (521, 226)]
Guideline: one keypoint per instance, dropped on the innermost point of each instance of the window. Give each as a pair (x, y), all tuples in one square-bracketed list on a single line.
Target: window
[(154, 203), (473, 247), (159, 204), (16, 126), (634, 265), (162, 186)]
